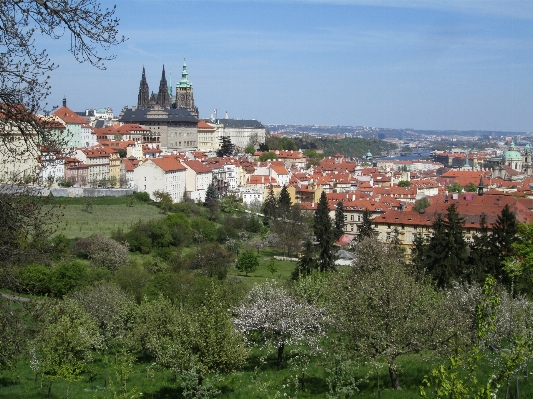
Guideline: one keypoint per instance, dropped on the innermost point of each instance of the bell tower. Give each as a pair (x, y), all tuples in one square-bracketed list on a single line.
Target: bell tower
[(184, 93)]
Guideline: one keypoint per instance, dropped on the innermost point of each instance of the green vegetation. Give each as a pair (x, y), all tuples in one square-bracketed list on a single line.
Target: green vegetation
[(163, 309)]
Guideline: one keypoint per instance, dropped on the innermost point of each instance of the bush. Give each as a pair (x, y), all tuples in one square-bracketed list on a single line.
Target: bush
[(142, 196), (107, 253), (36, 279), (211, 259), (247, 262), (66, 277), (132, 278), (203, 229)]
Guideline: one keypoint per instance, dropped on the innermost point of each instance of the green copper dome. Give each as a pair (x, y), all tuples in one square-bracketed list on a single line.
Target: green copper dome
[(511, 153), (184, 82), (368, 154)]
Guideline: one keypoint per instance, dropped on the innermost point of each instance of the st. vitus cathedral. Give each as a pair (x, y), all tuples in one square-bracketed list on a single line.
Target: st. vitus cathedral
[(183, 97)]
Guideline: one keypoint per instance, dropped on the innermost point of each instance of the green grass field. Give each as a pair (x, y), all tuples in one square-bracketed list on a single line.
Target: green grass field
[(103, 218)]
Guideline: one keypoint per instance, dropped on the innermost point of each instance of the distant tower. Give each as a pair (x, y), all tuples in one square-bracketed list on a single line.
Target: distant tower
[(163, 99), (144, 93), (184, 93), (170, 86), (466, 160), (480, 186), (527, 160)]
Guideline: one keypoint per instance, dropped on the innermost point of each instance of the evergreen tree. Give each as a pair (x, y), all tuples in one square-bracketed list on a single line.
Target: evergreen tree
[(446, 255), (339, 220), (284, 201), (504, 231), (270, 205), (323, 229), (210, 194), (306, 263), (482, 259), (227, 148), (211, 201), (365, 228), (504, 234)]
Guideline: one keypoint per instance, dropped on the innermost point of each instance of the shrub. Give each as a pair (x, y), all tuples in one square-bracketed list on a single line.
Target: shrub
[(142, 196), (107, 253), (66, 277), (247, 262), (36, 279)]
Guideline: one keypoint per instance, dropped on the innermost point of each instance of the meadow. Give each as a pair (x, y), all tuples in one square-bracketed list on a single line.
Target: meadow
[(104, 215)]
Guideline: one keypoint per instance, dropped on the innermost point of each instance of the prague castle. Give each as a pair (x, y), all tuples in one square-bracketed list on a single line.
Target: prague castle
[(183, 98)]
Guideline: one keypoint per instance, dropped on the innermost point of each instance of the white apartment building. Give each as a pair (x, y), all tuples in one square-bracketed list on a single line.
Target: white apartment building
[(166, 174)]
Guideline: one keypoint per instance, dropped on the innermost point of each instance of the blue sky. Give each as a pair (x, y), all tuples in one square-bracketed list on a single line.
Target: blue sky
[(393, 63)]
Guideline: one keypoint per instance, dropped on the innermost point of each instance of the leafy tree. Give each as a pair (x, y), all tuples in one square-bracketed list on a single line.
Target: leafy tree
[(227, 148), (65, 342), (387, 309), (404, 183), (366, 229), (209, 258), (323, 229), (421, 204), (471, 187), (270, 205), (106, 252), (519, 266), (66, 277), (110, 307), (291, 228), (339, 220), (455, 188), (164, 200), (249, 150), (247, 262), (268, 156), (24, 87), (142, 196), (122, 152), (13, 333), (270, 316)]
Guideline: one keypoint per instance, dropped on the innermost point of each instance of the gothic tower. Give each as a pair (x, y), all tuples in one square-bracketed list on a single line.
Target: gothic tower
[(184, 93), (163, 99), (144, 93)]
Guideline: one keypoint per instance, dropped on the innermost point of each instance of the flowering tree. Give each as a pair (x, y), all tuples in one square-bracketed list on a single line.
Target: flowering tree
[(106, 252), (270, 316), (387, 309)]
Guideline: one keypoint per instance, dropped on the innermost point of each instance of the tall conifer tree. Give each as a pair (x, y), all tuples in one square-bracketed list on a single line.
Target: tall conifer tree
[(323, 228), (339, 220), (366, 230), (284, 201), (270, 205)]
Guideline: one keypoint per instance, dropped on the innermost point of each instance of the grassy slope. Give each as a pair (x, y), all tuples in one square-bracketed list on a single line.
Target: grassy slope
[(107, 214)]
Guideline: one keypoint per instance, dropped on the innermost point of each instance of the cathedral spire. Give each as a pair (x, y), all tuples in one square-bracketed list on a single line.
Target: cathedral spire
[(163, 99), (144, 93)]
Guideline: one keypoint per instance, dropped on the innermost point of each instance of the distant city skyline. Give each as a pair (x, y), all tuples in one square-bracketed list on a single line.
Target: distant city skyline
[(453, 65)]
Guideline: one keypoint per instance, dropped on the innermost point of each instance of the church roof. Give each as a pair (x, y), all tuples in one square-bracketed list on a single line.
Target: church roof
[(139, 115), (511, 153)]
